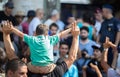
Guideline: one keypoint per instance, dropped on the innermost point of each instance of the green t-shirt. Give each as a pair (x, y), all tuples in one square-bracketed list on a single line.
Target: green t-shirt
[(41, 48)]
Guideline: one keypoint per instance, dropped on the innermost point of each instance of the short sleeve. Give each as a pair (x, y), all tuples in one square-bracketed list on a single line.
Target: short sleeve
[(27, 38), (54, 39), (111, 72), (118, 27)]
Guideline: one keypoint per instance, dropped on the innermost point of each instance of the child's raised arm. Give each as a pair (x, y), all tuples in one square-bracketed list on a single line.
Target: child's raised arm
[(66, 32), (8, 26), (16, 31)]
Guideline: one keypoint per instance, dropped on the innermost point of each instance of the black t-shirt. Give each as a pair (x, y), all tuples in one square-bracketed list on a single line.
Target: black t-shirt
[(10, 18), (90, 72), (59, 70), (109, 28)]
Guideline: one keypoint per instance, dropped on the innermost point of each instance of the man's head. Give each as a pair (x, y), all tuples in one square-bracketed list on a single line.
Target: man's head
[(70, 19), (42, 30), (98, 14), (16, 68), (84, 31), (107, 10), (88, 17), (40, 13), (31, 14), (55, 15), (8, 7), (53, 28), (97, 51), (63, 49), (19, 16)]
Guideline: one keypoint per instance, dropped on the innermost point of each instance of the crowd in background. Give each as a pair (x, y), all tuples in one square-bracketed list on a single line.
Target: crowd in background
[(94, 27)]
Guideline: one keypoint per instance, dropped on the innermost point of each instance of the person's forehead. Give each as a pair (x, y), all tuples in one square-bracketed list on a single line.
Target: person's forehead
[(53, 27), (96, 50), (83, 31), (21, 68), (64, 46), (105, 9)]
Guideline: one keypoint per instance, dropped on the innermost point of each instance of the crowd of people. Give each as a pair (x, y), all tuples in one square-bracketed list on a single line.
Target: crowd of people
[(87, 46)]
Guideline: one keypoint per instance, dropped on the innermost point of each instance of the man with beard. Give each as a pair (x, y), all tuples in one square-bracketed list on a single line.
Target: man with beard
[(85, 42), (86, 50)]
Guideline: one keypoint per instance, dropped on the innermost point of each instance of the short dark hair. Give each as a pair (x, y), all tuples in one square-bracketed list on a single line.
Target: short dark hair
[(13, 65), (89, 18), (64, 43), (54, 25), (84, 28), (41, 29), (108, 6)]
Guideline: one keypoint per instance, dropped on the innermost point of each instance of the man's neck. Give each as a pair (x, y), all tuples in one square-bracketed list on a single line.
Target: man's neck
[(99, 59), (63, 56), (84, 41), (110, 16), (39, 17), (86, 24), (7, 14), (53, 19)]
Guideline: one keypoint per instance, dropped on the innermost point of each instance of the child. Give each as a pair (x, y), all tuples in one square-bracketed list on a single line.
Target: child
[(41, 47)]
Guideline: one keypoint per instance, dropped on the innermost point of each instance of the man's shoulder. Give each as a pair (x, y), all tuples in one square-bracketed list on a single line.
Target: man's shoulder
[(92, 42)]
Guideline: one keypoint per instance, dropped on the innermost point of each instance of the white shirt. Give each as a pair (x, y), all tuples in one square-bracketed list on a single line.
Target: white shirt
[(97, 27), (33, 24), (49, 22)]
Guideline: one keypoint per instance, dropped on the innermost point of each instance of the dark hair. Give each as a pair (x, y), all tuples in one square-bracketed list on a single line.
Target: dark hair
[(84, 28), (64, 43), (41, 29), (31, 13), (54, 25), (108, 6), (13, 65), (89, 18)]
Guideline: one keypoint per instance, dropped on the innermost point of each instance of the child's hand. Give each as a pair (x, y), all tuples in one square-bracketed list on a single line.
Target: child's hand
[(7, 27), (75, 30)]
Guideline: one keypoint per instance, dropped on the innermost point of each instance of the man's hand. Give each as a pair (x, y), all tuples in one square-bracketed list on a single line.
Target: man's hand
[(75, 30), (7, 27), (93, 66), (106, 44)]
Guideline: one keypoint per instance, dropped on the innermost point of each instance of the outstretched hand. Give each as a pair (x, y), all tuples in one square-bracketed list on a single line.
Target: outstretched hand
[(75, 30), (7, 27), (106, 44)]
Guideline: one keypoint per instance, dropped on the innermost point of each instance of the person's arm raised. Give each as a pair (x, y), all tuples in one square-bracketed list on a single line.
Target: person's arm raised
[(74, 48), (64, 33), (9, 26), (17, 32), (104, 64), (95, 67), (8, 44)]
